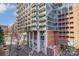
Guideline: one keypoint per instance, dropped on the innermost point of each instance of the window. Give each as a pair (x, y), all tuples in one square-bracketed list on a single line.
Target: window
[(67, 27), (70, 8), (71, 27), (42, 21), (42, 26), (67, 31), (59, 20), (71, 22), (71, 13), (63, 31), (71, 17), (64, 9), (49, 28), (59, 15), (54, 24), (62, 23), (63, 19), (42, 35), (66, 18), (59, 4), (63, 15), (59, 12), (71, 37), (33, 26), (72, 32), (67, 36), (66, 14), (67, 23)]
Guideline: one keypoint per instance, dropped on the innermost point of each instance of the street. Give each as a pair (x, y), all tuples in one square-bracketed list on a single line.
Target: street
[(17, 52)]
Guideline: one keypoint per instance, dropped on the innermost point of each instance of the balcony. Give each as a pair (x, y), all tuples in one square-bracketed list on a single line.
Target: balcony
[(29, 13), (41, 16), (33, 15), (33, 24), (28, 17), (41, 4), (34, 29), (32, 9), (33, 19), (42, 13), (28, 29), (42, 8), (42, 19), (43, 23), (42, 27), (33, 5)]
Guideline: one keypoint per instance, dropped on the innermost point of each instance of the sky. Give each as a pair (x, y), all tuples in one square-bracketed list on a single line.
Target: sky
[(7, 14)]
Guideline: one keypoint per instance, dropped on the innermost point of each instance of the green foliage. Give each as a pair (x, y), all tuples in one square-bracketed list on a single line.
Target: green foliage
[(1, 36)]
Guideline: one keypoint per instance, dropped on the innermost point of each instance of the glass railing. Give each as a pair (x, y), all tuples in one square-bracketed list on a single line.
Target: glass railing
[(41, 4), (33, 25), (42, 16), (42, 13), (42, 26), (42, 8)]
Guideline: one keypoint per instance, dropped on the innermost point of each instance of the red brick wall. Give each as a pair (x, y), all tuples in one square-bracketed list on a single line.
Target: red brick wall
[(52, 38)]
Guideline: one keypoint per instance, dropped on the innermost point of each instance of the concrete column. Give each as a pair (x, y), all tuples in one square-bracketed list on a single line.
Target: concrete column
[(29, 39), (45, 42), (33, 40), (38, 41)]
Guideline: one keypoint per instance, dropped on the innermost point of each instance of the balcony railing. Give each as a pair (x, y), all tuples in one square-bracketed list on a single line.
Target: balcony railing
[(42, 16), (42, 8), (41, 4), (33, 9), (42, 13), (33, 5)]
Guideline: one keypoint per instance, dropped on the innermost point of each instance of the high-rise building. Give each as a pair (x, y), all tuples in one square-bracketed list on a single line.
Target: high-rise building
[(34, 19), (49, 25), (68, 24)]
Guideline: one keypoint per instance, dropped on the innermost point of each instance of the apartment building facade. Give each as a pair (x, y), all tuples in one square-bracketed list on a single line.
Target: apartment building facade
[(68, 25), (48, 25), (40, 32)]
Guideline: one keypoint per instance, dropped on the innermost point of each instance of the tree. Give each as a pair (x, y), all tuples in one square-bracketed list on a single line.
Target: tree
[(1, 36)]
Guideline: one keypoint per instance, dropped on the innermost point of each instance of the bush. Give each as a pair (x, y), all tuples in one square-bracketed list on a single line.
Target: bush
[(1, 36)]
